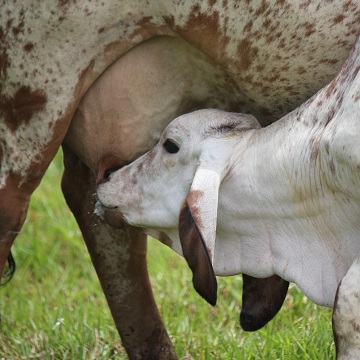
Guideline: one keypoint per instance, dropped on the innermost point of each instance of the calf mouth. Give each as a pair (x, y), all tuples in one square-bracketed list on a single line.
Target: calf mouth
[(111, 216), (115, 219)]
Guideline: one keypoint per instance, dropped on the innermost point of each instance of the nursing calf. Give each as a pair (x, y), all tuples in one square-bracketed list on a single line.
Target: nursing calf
[(281, 200)]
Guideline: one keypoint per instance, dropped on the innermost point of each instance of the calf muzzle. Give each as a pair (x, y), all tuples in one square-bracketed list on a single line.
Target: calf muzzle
[(115, 219)]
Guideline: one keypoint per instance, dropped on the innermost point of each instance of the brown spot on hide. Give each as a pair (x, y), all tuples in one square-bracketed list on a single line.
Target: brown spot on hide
[(314, 148), (22, 106), (66, 2), (4, 57), (309, 29), (262, 8), (247, 53), (170, 20), (332, 166), (201, 30), (330, 115), (355, 72), (355, 326), (146, 20), (248, 26), (149, 158), (330, 89), (28, 46), (19, 27), (192, 199), (338, 19)]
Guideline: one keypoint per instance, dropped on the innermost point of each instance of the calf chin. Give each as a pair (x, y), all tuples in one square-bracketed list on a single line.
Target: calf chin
[(262, 299), (115, 219)]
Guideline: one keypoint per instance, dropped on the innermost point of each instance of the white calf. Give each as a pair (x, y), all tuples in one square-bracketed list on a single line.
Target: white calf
[(279, 200)]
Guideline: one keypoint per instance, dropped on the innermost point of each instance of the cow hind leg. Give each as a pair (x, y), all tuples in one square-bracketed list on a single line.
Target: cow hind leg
[(119, 258)]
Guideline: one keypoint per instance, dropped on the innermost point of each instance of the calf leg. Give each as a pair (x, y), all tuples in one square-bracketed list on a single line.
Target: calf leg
[(346, 315), (119, 257)]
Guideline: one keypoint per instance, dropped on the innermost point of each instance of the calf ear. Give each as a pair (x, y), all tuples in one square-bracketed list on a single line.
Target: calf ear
[(262, 299), (197, 231)]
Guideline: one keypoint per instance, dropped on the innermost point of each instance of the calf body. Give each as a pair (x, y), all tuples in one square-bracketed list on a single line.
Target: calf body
[(281, 200)]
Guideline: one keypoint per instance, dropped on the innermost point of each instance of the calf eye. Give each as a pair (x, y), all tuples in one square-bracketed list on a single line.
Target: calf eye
[(170, 146)]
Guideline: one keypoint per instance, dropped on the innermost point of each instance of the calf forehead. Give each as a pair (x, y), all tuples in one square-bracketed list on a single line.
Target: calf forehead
[(206, 121)]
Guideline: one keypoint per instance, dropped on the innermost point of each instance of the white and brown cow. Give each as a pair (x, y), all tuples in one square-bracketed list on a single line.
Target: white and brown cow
[(263, 57)]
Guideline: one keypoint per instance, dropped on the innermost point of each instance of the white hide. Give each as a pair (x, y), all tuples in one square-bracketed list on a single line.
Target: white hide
[(289, 200)]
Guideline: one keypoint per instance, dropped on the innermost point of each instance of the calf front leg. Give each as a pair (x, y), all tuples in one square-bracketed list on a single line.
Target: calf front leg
[(346, 315), (119, 257)]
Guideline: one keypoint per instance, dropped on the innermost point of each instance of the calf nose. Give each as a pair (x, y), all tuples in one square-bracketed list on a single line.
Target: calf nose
[(107, 173), (106, 166)]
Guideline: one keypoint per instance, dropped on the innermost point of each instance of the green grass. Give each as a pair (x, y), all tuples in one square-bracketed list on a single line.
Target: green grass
[(54, 308)]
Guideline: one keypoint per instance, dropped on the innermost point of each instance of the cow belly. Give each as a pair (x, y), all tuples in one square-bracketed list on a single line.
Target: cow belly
[(125, 111)]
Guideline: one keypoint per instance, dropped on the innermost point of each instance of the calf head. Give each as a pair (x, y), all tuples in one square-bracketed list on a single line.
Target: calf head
[(173, 189), (172, 193)]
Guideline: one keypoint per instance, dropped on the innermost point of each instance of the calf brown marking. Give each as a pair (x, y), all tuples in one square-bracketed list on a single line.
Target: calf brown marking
[(192, 199)]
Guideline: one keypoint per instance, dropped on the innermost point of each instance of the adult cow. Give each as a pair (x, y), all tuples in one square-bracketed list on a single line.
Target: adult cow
[(271, 56)]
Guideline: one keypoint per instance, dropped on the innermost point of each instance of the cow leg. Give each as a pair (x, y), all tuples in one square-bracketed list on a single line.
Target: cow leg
[(14, 202), (346, 315), (262, 299), (7, 239), (119, 257)]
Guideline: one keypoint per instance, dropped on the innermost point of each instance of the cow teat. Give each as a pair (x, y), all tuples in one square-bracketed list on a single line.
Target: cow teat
[(107, 165)]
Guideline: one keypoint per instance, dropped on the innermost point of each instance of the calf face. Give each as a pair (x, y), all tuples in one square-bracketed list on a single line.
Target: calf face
[(175, 185), (192, 156)]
